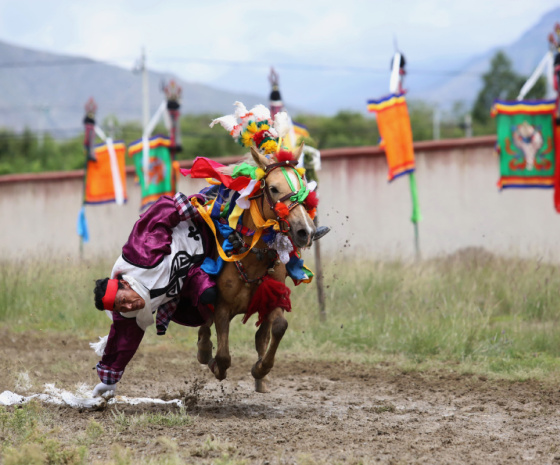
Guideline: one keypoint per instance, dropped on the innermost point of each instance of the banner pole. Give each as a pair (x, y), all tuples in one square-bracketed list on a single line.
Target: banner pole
[(89, 143), (173, 97), (416, 215)]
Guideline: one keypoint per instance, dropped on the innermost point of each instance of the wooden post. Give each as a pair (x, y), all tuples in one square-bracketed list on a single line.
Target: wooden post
[(319, 277)]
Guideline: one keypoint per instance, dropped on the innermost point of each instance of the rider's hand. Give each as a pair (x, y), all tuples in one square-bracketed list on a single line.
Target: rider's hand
[(104, 390)]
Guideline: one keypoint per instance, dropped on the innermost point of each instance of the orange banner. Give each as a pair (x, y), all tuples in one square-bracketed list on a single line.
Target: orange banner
[(393, 122), (99, 185)]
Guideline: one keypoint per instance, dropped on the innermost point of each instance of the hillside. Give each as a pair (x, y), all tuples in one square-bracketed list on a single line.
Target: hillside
[(48, 91), (525, 53)]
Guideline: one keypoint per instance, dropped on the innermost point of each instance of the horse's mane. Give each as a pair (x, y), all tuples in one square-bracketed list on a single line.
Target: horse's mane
[(247, 159)]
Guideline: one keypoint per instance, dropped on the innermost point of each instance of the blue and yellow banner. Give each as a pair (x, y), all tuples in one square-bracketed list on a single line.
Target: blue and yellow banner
[(529, 107), (300, 130)]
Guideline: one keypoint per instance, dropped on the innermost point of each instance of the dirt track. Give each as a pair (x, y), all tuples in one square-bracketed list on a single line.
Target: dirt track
[(317, 412)]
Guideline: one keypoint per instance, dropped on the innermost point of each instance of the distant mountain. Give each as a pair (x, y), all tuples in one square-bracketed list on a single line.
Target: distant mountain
[(52, 96), (525, 53), (47, 91), (330, 90)]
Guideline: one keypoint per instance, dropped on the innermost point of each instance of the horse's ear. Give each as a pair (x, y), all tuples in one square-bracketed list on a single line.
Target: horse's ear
[(297, 152), (260, 160)]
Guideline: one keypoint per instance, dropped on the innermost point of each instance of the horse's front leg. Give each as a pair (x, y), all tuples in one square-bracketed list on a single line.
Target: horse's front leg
[(277, 325), (204, 343), (222, 361)]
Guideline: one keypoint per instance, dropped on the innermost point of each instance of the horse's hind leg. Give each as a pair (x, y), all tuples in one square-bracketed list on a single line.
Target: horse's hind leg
[(278, 325), (262, 338), (204, 344)]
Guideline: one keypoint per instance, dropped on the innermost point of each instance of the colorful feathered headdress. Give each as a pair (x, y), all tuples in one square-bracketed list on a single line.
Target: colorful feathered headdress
[(256, 127)]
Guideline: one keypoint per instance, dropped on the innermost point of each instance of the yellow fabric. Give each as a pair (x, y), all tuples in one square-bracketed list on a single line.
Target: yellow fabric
[(259, 221), (308, 280), (210, 223), (234, 216), (213, 182)]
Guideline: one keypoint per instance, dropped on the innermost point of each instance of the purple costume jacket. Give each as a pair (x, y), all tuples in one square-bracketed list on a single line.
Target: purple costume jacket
[(156, 256)]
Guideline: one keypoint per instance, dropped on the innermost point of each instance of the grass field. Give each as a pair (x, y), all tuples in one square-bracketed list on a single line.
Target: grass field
[(472, 311)]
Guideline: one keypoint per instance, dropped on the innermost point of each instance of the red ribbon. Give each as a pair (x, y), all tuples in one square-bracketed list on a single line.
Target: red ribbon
[(206, 168)]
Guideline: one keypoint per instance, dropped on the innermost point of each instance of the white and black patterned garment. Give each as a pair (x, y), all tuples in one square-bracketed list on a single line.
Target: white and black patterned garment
[(164, 244)]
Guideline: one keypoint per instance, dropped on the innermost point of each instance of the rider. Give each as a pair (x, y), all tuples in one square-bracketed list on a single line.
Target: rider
[(159, 269)]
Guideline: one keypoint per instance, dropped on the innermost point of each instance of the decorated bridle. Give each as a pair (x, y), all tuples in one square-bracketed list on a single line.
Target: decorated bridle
[(256, 129), (279, 207)]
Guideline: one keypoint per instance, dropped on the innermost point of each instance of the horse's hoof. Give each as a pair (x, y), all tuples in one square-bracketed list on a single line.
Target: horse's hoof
[(215, 370), (261, 385), (257, 371), (204, 356)]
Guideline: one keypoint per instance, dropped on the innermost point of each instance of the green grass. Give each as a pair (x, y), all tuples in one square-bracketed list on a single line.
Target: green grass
[(488, 314), (470, 312), (26, 439), (52, 295)]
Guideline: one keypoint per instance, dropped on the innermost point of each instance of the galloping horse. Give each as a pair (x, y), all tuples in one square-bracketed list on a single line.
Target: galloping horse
[(240, 279)]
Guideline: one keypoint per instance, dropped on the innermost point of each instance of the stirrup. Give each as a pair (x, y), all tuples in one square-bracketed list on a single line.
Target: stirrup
[(320, 232)]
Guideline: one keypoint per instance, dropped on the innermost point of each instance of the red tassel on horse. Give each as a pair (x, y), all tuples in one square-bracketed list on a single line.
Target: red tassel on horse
[(284, 155), (269, 295), (311, 201)]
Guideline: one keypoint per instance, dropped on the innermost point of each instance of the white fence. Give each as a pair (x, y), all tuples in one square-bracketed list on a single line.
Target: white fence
[(370, 218)]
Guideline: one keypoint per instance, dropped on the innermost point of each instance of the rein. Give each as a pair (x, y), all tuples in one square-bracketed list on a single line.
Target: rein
[(281, 224)]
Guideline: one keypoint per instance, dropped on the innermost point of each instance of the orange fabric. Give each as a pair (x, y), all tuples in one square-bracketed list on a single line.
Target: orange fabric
[(394, 127), (99, 179)]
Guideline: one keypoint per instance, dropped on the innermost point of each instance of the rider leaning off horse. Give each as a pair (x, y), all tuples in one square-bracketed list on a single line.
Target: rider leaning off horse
[(167, 268), (158, 272)]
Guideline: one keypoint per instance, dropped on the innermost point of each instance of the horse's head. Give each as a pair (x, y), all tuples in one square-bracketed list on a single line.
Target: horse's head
[(282, 188)]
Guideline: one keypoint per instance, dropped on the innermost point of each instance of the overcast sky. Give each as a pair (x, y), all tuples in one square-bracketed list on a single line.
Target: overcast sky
[(336, 33)]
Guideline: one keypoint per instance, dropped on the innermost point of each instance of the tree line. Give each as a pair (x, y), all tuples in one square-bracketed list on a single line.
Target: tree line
[(25, 152)]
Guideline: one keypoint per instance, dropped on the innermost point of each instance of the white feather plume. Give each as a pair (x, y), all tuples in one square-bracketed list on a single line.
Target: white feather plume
[(99, 347), (228, 122), (282, 123), (240, 110), (236, 131), (260, 112)]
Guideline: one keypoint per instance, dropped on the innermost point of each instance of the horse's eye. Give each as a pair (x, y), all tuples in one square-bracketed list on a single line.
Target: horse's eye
[(273, 190)]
